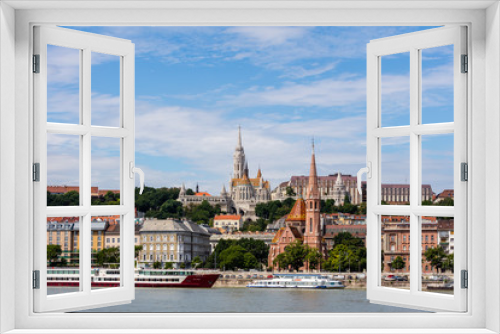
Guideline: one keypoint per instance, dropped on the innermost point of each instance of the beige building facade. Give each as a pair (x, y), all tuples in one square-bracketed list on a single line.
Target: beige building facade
[(172, 240)]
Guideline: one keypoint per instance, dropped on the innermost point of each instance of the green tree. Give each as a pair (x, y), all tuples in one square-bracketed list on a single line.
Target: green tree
[(446, 202), (347, 200), (313, 257), (53, 253), (398, 263), (346, 238), (257, 248), (449, 262), (196, 262), (232, 258), (361, 209), (70, 198), (110, 256), (281, 261), (295, 254), (170, 209), (157, 265), (290, 191), (137, 249), (189, 192), (202, 213), (250, 261), (341, 257), (168, 265), (435, 256)]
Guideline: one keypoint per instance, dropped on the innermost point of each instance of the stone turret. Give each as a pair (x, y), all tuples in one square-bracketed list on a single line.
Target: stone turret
[(239, 158)]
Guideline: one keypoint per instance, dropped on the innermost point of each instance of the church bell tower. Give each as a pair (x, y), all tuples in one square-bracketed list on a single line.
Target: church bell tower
[(312, 233)]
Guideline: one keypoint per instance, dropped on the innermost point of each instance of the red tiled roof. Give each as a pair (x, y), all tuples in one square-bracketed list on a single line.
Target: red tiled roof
[(105, 191), (202, 194), (447, 193), (93, 190), (225, 217), (298, 211)]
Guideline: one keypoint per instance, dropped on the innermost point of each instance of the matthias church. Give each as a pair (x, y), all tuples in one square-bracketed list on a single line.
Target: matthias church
[(244, 192)]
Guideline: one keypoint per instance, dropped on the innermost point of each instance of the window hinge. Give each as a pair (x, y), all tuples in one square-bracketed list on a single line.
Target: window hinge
[(465, 64), (36, 172), (464, 172), (465, 279), (36, 63), (36, 279)]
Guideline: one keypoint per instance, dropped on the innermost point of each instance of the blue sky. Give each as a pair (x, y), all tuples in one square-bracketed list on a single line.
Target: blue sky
[(283, 85)]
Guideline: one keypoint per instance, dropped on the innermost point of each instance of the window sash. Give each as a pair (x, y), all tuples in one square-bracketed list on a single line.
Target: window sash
[(412, 43), (86, 43)]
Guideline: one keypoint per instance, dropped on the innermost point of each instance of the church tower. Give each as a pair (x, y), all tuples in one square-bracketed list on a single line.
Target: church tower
[(239, 159), (312, 233)]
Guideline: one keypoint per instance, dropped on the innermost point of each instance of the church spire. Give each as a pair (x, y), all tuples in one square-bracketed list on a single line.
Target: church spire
[(339, 179), (240, 145), (239, 158), (312, 187)]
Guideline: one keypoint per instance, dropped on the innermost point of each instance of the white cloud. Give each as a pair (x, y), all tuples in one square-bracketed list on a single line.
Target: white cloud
[(267, 36), (300, 72), (345, 91)]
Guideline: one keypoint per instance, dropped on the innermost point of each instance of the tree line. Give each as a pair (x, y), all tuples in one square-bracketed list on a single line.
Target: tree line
[(348, 253)]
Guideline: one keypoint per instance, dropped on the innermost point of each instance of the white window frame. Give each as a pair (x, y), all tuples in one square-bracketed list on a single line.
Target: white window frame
[(15, 39), (412, 44), (86, 43)]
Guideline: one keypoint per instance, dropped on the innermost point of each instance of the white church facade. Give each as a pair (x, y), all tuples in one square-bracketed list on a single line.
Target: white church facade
[(244, 192)]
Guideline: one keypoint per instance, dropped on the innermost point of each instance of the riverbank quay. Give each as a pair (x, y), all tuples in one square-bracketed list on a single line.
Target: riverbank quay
[(235, 279)]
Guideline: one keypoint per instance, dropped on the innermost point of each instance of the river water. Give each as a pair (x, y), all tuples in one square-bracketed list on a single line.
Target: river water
[(245, 300)]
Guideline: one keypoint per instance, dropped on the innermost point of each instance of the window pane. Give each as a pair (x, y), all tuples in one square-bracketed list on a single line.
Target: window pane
[(438, 246), (395, 171), (395, 94), (105, 171), (395, 251), (63, 85), (437, 84), (63, 256), (63, 170), (105, 90), (105, 255), (437, 170)]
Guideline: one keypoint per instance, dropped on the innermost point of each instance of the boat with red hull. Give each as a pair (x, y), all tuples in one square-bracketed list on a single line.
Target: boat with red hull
[(144, 278)]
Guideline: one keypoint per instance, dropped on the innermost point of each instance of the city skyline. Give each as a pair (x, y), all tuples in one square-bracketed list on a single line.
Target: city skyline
[(283, 85)]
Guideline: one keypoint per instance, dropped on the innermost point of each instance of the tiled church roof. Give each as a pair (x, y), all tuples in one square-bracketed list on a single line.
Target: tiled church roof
[(298, 211)]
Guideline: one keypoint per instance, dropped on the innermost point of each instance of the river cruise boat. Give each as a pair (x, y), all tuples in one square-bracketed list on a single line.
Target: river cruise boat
[(144, 278), (305, 281)]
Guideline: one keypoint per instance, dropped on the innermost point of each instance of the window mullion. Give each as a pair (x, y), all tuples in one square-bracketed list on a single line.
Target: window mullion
[(415, 169), (85, 167)]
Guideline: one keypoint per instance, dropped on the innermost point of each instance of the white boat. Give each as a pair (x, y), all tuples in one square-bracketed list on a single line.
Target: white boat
[(305, 281)]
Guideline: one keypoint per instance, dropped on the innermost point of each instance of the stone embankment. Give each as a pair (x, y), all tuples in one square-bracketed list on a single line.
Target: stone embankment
[(235, 279)]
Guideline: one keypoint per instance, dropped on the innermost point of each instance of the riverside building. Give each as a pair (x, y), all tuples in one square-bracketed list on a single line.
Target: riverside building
[(172, 240), (338, 186)]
